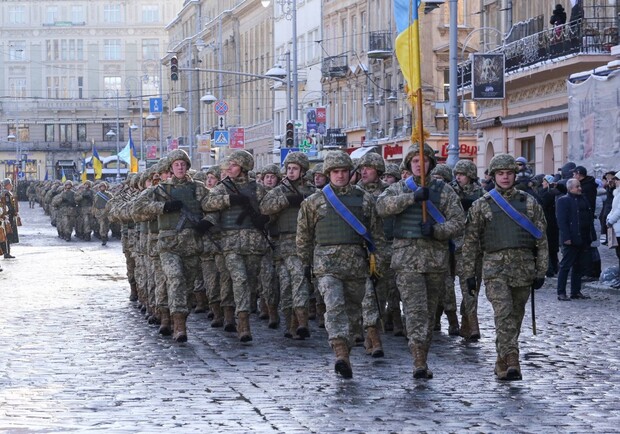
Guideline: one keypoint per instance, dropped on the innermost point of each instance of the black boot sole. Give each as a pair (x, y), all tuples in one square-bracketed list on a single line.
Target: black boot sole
[(343, 369)]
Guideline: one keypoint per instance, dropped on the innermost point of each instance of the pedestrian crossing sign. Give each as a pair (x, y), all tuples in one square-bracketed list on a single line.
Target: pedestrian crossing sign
[(221, 138)]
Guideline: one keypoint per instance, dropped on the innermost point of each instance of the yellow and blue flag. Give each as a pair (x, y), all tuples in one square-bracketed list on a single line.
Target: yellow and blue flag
[(133, 160), (84, 176), (64, 177), (407, 44), (97, 164)]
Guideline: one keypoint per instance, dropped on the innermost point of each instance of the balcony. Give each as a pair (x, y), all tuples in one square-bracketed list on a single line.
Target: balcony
[(380, 45), (335, 66), (583, 37)]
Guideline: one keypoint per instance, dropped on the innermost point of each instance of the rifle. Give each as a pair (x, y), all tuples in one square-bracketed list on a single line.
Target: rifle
[(248, 210), (374, 278), (533, 310)]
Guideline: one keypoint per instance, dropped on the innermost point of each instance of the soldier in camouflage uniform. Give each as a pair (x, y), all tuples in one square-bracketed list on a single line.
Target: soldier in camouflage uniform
[(469, 190), (283, 203), (338, 254), (66, 209), (391, 174), (372, 167), (320, 180), (447, 302), (513, 260), (100, 200), (176, 204), (84, 200), (420, 248), (54, 190), (244, 241)]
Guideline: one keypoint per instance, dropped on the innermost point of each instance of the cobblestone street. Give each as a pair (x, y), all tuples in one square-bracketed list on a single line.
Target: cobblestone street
[(78, 356)]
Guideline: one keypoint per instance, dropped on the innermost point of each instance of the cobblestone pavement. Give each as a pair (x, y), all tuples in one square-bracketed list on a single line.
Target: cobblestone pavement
[(77, 356)]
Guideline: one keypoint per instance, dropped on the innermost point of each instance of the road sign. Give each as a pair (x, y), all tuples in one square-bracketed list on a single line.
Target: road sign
[(298, 124), (220, 138), (237, 138), (221, 122), (156, 105), (221, 107), (204, 143), (21, 175)]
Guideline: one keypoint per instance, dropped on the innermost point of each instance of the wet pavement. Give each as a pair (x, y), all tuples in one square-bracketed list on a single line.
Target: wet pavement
[(77, 356)]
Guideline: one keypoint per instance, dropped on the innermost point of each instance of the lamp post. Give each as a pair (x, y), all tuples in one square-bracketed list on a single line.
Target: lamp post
[(289, 7)]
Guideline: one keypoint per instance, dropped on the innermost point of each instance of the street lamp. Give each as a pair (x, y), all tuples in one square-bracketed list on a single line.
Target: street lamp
[(208, 98)]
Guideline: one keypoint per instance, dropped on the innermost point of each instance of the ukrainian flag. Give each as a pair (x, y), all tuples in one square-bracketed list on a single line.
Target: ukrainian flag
[(133, 160), (64, 177), (97, 164), (407, 44)]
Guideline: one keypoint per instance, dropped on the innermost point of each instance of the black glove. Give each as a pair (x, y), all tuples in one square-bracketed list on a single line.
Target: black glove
[(173, 205), (259, 221), (203, 226), (295, 200), (308, 272), (427, 229), (538, 282), (238, 199), (472, 287), (421, 194), (466, 203)]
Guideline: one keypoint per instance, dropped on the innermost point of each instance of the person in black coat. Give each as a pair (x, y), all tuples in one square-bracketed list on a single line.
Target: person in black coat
[(589, 189), (548, 195), (574, 217), (558, 17), (609, 185)]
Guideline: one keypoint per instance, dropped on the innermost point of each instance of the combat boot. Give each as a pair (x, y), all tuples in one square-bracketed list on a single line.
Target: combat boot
[(375, 349), (274, 316), (438, 313), (420, 354), (180, 332), (514, 369), (501, 368), (453, 323), (343, 365), (244, 326), (165, 328), (320, 315), (312, 309), (302, 330), (133, 294), (399, 328), (464, 330), (104, 240), (264, 310), (474, 328), (218, 317), (201, 302), (229, 319)]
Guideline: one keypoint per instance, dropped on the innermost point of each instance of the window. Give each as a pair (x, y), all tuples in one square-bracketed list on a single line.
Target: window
[(150, 14), (301, 59), (49, 132), (150, 49), (311, 45), (81, 132), (65, 132), (112, 13), (78, 15), (345, 36), (112, 84), (17, 14), (17, 51), (354, 34), (446, 84), (17, 87), (112, 49), (528, 149), (51, 14), (364, 31)]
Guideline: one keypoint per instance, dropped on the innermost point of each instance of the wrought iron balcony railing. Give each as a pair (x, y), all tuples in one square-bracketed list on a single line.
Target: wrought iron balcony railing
[(380, 44), (335, 66), (578, 37)]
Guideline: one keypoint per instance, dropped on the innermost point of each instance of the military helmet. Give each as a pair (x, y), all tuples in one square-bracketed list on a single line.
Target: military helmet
[(105, 184), (467, 168), (335, 160), (374, 160), (163, 165), (88, 183), (502, 162), (68, 182), (214, 170), (179, 154), (242, 158), (199, 176), (273, 169), (414, 150), (392, 169), (298, 158), (444, 171), (318, 168)]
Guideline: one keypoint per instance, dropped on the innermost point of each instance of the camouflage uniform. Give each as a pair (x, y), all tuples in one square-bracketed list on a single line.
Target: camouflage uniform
[(84, 200), (100, 200), (513, 262), (66, 209), (338, 256), (243, 238), (419, 259), (283, 203), (468, 194)]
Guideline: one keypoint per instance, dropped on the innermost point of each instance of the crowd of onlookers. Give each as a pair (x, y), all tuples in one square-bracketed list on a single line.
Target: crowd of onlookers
[(571, 221)]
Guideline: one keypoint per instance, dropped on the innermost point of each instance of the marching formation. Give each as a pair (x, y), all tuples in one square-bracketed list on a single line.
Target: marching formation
[(346, 243)]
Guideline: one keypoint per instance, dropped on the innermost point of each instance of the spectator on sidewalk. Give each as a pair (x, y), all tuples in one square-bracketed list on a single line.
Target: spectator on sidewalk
[(589, 189), (574, 217), (548, 194), (613, 219), (609, 185)]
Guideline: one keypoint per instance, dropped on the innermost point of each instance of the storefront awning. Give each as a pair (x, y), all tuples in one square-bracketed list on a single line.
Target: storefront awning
[(550, 114), (360, 152)]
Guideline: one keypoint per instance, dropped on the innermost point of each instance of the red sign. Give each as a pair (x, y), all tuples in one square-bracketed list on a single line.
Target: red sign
[(392, 151), (173, 144), (321, 116), (237, 138), (151, 152), (468, 151)]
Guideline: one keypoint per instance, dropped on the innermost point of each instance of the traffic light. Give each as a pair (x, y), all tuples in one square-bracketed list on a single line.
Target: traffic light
[(174, 68), (290, 134)]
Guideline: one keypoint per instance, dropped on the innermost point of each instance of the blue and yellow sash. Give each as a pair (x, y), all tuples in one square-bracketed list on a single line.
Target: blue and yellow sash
[(515, 215), (432, 209)]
